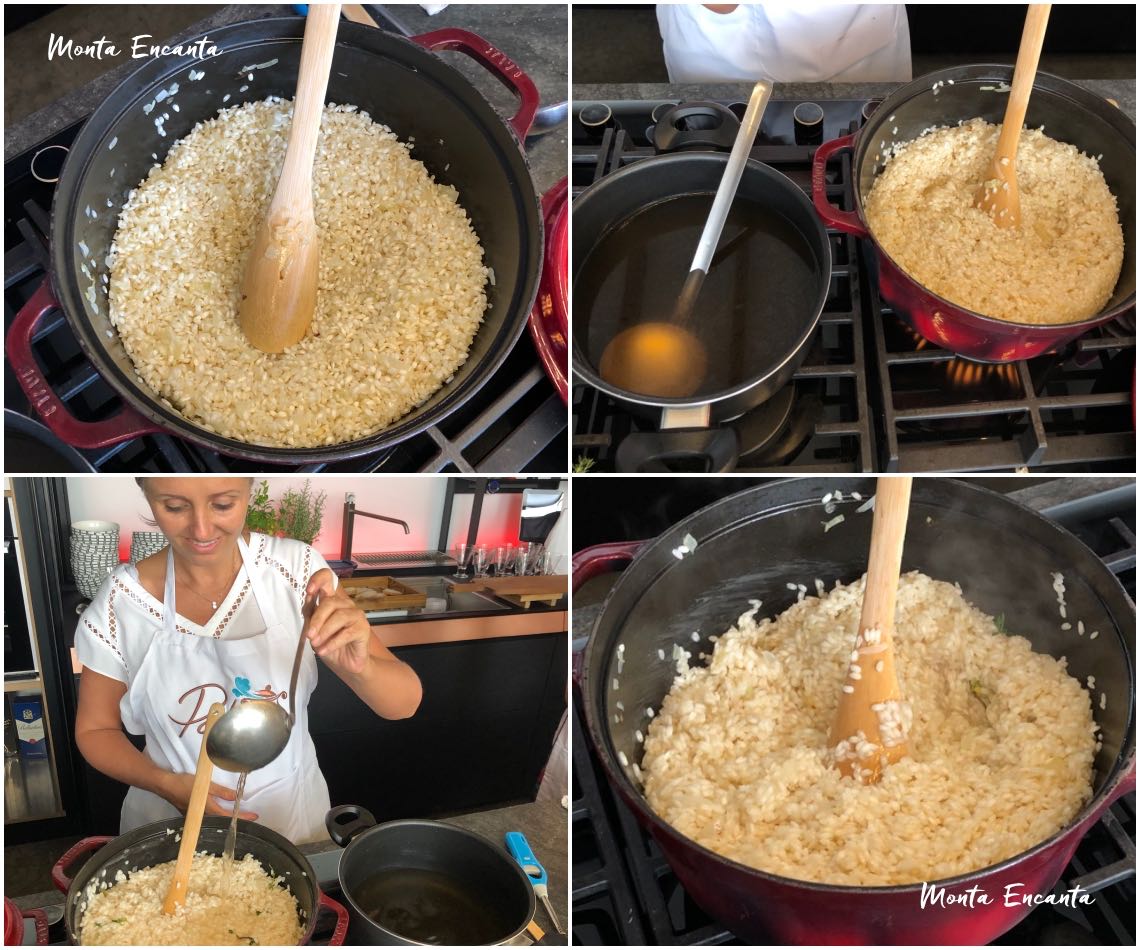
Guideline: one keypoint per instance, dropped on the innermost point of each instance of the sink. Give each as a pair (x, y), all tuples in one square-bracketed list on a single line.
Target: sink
[(469, 601)]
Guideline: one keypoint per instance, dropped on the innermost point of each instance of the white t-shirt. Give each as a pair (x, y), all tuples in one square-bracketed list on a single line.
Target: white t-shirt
[(115, 630), (786, 42)]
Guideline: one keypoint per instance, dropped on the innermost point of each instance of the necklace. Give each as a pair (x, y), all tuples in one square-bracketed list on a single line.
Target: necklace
[(213, 601)]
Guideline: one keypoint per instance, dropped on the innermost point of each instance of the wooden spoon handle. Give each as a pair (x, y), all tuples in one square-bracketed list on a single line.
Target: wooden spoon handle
[(892, 502), (1024, 72), (193, 824), (308, 106)]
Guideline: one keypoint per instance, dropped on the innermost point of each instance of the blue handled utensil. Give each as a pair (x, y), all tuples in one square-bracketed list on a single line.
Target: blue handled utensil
[(520, 851)]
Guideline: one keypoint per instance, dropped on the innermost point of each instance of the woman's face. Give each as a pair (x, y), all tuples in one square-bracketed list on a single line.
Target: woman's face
[(202, 517)]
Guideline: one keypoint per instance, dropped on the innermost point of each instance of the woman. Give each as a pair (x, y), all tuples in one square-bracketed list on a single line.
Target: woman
[(215, 617), (785, 42)]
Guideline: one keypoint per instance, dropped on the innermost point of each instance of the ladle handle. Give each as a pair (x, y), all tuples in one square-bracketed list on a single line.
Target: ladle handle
[(176, 895), (733, 170), (307, 613)]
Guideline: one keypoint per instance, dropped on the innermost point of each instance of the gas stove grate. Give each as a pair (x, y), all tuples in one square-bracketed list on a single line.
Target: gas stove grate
[(891, 401), (515, 423)]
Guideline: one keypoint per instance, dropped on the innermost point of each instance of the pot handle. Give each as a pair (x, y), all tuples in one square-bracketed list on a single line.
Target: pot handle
[(40, 918), (497, 62), (600, 559), (846, 221), (126, 424), (78, 850), (342, 832), (341, 929), (718, 447), (590, 562)]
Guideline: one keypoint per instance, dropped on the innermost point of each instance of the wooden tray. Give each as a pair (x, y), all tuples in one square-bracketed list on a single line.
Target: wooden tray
[(536, 587), (401, 595)]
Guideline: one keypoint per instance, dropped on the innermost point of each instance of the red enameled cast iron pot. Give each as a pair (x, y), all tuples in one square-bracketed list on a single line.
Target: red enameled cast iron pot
[(401, 83), (749, 545), (1068, 112), (156, 844)]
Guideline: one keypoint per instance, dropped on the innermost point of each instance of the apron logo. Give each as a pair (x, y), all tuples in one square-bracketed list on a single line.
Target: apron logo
[(204, 696), (243, 691)]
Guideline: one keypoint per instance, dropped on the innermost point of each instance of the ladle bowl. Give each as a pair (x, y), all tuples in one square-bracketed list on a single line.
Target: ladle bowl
[(655, 359), (250, 736)]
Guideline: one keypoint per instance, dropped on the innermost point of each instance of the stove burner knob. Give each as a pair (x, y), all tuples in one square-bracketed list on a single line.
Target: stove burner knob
[(595, 116), (869, 108), (808, 121)]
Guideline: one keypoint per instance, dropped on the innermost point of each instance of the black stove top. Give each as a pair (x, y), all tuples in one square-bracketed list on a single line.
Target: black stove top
[(871, 395), (515, 423), (624, 892)]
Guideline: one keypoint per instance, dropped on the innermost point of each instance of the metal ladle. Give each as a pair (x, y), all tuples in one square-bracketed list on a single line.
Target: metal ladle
[(253, 733)]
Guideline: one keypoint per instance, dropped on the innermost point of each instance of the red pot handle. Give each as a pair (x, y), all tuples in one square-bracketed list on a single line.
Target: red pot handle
[(86, 846), (41, 921), (592, 561), (847, 221), (126, 424), (341, 929), (495, 60)]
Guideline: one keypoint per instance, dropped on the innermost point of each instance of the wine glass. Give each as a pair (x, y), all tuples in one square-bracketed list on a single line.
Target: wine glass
[(462, 558)]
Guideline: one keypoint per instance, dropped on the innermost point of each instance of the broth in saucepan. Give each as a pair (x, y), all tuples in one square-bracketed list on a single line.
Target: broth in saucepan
[(751, 309), (429, 907)]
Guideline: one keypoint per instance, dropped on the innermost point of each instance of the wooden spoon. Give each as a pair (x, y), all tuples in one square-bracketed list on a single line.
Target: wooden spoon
[(176, 895), (279, 288), (997, 195), (663, 357), (871, 681)]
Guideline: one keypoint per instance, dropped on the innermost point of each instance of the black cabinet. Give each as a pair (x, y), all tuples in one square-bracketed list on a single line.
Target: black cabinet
[(480, 738)]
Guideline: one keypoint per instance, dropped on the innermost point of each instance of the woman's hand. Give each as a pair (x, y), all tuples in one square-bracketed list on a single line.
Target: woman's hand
[(176, 787), (339, 631)]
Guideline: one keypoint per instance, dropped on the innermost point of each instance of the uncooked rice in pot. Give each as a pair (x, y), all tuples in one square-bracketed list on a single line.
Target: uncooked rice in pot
[(1060, 266), (1000, 747), (247, 908), (401, 290)]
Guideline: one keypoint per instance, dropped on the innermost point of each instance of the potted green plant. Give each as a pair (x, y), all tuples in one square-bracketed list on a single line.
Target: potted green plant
[(299, 513), (261, 516)]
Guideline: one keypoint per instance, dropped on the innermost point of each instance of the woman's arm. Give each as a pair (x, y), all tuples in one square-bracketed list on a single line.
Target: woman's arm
[(342, 636), (102, 742)]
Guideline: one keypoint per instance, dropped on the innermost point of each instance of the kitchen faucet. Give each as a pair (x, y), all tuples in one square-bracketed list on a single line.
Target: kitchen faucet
[(350, 513)]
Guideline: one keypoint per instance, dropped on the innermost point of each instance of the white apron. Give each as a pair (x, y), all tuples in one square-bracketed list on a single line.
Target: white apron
[(182, 675), (786, 42)]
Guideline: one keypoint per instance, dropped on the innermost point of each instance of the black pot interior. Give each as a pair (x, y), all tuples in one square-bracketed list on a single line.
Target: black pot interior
[(457, 135), (751, 545), (405, 879), (1069, 113), (153, 844), (611, 203)]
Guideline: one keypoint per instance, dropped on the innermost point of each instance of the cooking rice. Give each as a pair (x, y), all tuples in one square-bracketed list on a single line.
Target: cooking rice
[(401, 289), (250, 908), (1000, 750), (1060, 266)]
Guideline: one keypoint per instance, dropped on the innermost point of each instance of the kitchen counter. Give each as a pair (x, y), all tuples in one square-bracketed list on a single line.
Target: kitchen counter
[(1121, 90), (544, 823), (469, 616), (533, 35)]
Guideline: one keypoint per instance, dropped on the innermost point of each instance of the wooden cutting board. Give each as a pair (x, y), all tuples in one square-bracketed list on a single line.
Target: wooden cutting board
[(400, 596), (537, 587)]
